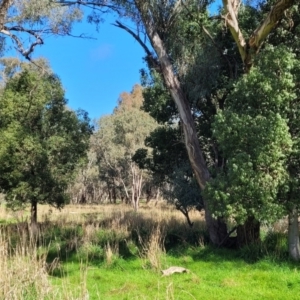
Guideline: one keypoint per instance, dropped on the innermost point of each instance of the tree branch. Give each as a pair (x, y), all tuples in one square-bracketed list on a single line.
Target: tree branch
[(272, 19), (20, 48), (91, 4), (249, 49), (231, 13), (152, 61), (136, 37)]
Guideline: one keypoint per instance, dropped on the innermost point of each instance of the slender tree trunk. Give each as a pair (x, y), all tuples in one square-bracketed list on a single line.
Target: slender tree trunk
[(109, 192), (293, 235), (114, 194), (148, 195), (135, 198), (136, 187), (125, 190), (136, 203), (248, 233), (157, 194), (33, 219), (185, 212)]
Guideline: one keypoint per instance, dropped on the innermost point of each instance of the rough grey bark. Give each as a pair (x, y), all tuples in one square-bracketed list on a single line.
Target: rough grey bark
[(293, 235)]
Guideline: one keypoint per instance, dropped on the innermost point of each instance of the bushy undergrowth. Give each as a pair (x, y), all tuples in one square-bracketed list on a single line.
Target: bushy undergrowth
[(123, 234)]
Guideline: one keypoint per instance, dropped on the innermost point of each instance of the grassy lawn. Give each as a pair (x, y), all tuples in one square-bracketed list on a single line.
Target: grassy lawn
[(110, 252)]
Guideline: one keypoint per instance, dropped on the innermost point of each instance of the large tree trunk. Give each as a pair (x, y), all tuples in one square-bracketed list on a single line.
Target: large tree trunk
[(248, 233), (217, 228), (293, 235)]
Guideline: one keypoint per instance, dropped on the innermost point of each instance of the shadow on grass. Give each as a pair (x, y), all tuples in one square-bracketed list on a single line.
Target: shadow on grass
[(256, 254)]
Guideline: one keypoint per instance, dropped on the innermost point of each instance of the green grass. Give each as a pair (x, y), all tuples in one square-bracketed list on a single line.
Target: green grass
[(214, 274), (120, 255)]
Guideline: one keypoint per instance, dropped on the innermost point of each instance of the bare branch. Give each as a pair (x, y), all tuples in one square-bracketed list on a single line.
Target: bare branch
[(91, 4), (136, 37), (80, 36), (152, 61), (26, 53)]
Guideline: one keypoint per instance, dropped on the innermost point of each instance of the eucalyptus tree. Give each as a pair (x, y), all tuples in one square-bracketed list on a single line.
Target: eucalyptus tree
[(87, 188), (157, 19), (41, 141), (206, 72), (118, 137)]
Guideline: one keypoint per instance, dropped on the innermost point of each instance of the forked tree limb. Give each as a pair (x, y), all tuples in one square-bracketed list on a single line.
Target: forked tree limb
[(274, 16), (25, 52), (251, 47)]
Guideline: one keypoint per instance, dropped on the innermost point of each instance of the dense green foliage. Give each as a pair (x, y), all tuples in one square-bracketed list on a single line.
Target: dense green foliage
[(41, 140), (253, 132)]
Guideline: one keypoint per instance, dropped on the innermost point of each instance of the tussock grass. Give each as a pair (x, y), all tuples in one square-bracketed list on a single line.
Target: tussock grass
[(152, 249), (24, 273)]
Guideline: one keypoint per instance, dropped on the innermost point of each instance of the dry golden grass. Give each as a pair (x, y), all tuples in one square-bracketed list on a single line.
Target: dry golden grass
[(158, 213), (152, 249), (24, 274), (122, 222)]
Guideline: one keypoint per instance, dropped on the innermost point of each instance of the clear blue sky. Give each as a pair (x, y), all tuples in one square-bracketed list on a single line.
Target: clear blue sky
[(94, 72)]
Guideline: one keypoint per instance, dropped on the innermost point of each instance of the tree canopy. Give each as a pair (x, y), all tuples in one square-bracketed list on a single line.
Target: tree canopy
[(41, 140), (115, 142)]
